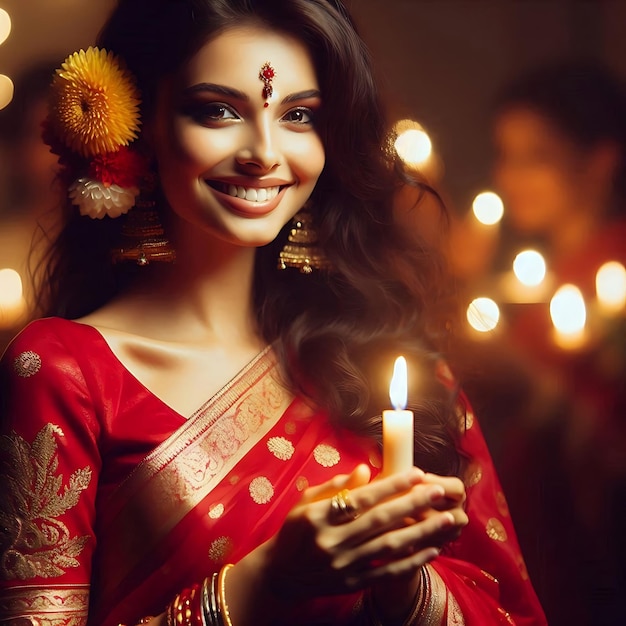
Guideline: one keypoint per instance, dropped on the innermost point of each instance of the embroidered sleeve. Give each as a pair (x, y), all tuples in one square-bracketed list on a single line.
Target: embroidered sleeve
[(35, 542), (48, 474)]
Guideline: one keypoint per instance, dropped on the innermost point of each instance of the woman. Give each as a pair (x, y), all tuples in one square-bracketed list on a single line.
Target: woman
[(128, 498)]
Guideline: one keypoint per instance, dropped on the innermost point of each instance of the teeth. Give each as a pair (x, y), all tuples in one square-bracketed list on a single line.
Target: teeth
[(253, 194)]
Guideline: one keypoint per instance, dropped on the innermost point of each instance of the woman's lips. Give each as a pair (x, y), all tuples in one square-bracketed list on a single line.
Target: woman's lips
[(249, 201)]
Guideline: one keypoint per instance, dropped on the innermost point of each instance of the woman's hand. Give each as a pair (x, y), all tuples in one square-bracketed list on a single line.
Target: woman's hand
[(402, 522)]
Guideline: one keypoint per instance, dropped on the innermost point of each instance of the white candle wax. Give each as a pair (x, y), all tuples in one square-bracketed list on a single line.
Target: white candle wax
[(398, 425), (397, 441)]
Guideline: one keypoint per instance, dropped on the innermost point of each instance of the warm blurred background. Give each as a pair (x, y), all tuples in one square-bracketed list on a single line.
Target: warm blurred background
[(514, 110)]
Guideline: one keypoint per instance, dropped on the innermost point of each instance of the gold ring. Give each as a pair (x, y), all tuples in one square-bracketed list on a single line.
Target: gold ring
[(341, 508)]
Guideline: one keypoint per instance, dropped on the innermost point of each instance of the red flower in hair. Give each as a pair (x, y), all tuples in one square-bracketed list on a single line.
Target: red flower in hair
[(124, 167)]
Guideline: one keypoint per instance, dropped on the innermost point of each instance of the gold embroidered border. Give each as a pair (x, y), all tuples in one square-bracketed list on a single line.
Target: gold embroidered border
[(455, 614), (183, 470), (435, 609), (62, 605)]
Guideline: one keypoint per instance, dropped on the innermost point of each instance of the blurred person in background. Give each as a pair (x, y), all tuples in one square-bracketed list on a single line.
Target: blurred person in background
[(558, 420)]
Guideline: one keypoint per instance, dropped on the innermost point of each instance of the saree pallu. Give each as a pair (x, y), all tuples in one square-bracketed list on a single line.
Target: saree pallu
[(116, 502)]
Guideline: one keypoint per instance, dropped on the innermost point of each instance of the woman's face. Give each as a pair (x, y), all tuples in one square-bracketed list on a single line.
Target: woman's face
[(538, 171), (229, 164)]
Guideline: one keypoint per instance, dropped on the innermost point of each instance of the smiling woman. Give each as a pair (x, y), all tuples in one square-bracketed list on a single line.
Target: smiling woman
[(223, 156), (199, 441)]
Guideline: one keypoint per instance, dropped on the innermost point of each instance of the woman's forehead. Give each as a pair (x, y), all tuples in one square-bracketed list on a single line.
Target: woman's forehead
[(235, 57)]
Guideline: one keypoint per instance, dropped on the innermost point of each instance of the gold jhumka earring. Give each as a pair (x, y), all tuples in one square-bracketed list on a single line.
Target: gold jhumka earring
[(301, 250), (143, 238)]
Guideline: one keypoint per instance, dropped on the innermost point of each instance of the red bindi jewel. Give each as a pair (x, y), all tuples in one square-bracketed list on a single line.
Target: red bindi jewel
[(267, 75)]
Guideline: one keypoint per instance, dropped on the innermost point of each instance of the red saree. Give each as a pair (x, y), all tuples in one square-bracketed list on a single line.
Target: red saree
[(115, 502)]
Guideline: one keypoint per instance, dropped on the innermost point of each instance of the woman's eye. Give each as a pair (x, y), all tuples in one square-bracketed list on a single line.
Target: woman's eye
[(213, 112), (299, 116)]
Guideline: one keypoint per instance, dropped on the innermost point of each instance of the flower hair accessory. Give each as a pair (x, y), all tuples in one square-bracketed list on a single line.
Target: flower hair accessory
[(93, 117)]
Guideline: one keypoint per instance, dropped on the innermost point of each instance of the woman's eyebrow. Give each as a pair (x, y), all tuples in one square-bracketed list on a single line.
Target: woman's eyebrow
[(218, 89), (301, 95)]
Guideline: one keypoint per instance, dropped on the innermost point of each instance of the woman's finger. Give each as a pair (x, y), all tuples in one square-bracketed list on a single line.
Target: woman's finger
[(391, 570), (359, 476), (390, 514), (454, 487), (397, 544)]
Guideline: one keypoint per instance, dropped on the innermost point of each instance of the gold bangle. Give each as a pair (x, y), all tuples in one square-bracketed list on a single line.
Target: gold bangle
[(221, 584)]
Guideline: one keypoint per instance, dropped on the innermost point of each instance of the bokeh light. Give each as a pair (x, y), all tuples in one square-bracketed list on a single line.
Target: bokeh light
[(5, 26), (412, 143), (10, 287), (483, 314), (488, 208), (6, 90), (611, 286), (12, 304), (529, 267), (568, 310), (413, 146)]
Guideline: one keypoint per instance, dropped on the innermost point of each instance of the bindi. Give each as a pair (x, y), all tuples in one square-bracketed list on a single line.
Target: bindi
[(267, 75)]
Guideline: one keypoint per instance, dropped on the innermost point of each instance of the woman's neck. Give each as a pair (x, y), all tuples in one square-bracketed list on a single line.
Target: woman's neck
[(205, 296)]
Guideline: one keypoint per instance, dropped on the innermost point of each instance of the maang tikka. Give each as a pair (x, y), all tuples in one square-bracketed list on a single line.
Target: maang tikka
[(267, 74)]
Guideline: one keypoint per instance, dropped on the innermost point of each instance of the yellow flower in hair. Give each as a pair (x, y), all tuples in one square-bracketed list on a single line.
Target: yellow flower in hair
[(95, 103)]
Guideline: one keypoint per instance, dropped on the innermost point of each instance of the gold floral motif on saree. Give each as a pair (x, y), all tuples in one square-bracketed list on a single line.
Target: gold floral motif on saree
[(27, 364), (220, 548), (503, 507), (261, 490), (216, 511), (281, 448), (326, 455), (495, 530), (474, 475), (46, 606), (35, 542)]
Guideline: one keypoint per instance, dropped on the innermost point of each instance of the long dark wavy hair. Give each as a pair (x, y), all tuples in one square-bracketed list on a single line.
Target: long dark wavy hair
[(338, 332)]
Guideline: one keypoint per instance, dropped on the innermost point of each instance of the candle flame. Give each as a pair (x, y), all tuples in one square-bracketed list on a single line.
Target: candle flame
[(398, 389)]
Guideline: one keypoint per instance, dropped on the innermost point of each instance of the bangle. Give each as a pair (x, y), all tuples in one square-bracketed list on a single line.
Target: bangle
[(186, 609), (210, 608), (222, 594)]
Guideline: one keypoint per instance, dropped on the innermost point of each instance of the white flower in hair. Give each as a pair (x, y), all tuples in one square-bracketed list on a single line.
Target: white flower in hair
[(96, 199)]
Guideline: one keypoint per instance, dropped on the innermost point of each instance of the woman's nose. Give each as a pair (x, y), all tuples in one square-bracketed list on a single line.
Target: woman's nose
[(261, 148)]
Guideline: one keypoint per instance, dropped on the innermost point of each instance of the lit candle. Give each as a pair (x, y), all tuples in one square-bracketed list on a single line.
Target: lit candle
[(569, 316), (398, 424)]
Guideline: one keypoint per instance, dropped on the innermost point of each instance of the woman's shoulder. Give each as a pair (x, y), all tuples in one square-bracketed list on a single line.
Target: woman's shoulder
[(60, 343), (51, 334)]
